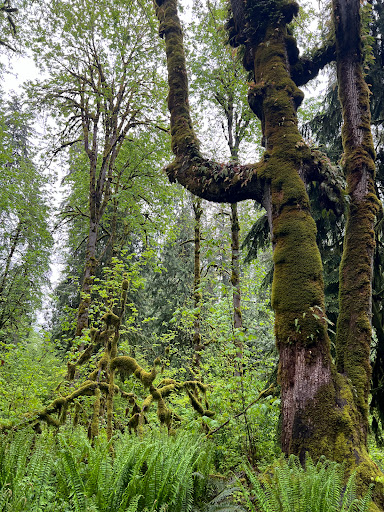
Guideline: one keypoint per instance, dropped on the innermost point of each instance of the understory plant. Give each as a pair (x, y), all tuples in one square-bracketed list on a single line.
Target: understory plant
[(66, 472), (291, 487)]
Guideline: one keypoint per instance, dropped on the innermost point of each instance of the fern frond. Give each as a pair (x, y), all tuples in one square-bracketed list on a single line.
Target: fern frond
[(70, 472)]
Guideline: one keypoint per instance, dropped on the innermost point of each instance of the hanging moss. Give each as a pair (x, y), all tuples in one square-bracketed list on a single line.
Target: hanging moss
[(49, 420), (110, 395), (198, 406), (63, 413), (125, 365), (163, 412), (133, 422), (76, 414), (166, 382), (101, 385), (147, 403)]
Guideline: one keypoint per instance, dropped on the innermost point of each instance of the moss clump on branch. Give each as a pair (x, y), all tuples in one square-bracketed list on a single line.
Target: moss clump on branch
[(100, 384)]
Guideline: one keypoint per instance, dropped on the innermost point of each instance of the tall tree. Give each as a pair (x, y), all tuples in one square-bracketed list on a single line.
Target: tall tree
[(138, 213), (25, 238), (102, 83), (326, 127), (323, 412)]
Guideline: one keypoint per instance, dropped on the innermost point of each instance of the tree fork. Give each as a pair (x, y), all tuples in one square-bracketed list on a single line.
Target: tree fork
[(318, 408)]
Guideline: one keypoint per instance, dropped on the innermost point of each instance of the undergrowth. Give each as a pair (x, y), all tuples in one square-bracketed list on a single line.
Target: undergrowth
[(291, 488), (66, 473)]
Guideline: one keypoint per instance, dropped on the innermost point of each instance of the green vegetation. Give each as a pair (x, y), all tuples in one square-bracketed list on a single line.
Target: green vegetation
[(314, 487), (167, 370), (66, 472)]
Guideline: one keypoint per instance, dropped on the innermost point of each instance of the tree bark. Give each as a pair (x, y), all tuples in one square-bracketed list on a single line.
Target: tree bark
[(197, 297), (319, 413), (355, 313)]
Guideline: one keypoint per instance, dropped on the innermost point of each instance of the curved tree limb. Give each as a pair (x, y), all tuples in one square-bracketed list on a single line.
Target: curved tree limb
[(203, 177)]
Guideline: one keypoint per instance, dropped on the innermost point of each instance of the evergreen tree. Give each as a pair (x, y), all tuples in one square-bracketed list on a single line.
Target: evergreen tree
[(25, 238)]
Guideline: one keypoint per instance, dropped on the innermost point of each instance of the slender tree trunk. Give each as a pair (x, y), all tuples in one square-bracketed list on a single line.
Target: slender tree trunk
[(235, 277), (15, 240), (197, 345), (235, 244), (236, 289)]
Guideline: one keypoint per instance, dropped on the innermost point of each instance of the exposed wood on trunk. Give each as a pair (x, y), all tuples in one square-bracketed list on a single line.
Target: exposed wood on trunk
[(320, 416)]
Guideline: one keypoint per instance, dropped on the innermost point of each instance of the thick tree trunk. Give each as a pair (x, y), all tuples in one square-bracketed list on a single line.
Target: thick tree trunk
[(354, 323), (319, 412), (305, 370)]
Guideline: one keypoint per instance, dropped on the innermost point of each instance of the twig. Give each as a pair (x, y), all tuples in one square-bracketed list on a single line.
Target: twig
[(261, 394)]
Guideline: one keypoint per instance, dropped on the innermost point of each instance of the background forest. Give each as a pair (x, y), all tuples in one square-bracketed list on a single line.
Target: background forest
[(144, 376)]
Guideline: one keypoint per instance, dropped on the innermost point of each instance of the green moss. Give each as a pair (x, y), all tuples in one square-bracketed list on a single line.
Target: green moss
[(76, 414), (125, 365), (163, 413), (146, 377), (63, 412), (166, 382), (147, 403), (71, 369), (50, 420), (133, 422), (110, 319)]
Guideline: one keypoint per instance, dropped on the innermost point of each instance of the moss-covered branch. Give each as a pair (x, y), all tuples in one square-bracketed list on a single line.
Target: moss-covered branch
[(306, 68), (203, 177)]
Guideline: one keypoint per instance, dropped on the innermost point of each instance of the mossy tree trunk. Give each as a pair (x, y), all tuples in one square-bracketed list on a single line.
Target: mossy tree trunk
[(320, 414), (355, 310)]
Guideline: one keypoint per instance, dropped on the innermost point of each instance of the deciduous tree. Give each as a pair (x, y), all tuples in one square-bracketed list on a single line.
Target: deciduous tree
[(103, 83)]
